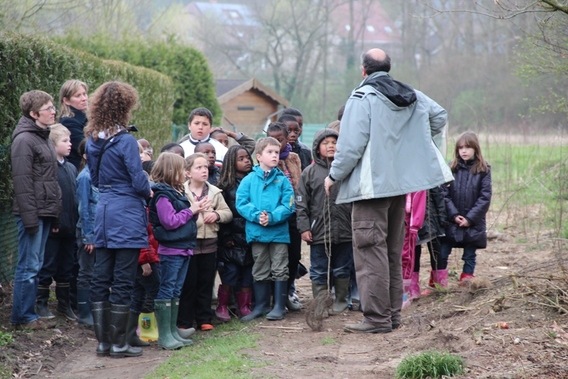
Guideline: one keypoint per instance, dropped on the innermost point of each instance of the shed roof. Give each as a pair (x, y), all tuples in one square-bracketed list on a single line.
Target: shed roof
[(228, 89)]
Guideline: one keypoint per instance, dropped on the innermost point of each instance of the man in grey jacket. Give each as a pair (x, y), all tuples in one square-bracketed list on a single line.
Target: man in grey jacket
[(385, 150)]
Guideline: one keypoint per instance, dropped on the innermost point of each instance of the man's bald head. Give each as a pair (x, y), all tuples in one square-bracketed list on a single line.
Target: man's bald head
[(375, 60)]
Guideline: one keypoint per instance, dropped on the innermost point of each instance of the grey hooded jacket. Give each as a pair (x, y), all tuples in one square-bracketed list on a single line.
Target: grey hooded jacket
[(385, 149)]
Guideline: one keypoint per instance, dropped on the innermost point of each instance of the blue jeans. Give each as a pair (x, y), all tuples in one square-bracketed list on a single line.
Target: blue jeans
[(58, 261), (173, 269), (234, 275), (341, 262), (116, 269), (145, 289), (31, 249), (469, 257)]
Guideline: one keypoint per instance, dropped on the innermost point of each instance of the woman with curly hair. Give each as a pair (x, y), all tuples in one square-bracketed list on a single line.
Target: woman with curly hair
[(120, 220)]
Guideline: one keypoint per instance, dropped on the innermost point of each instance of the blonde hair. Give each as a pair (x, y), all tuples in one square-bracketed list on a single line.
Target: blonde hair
[(57, 132), (263, 143), (169, 169), (68, 89), (190, 161)]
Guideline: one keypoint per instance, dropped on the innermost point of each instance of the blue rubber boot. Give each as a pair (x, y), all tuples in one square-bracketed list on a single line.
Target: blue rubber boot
[(262, 300), (280, 297)]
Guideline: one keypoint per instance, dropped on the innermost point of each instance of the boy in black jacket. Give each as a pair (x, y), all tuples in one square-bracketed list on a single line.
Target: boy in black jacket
[(60, 250), (324, 225)]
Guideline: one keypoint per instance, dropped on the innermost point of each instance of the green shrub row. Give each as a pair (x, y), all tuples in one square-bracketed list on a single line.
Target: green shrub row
[(193, 81), (37, 63)]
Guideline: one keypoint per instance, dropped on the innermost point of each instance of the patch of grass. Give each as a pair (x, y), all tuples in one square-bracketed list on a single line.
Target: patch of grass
[(6, 338), (213, 355), (328, 341), (430, 364)]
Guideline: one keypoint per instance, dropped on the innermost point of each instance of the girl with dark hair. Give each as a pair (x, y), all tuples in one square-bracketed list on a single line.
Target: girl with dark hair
[(467, 201), (234, 260), (120, 220)]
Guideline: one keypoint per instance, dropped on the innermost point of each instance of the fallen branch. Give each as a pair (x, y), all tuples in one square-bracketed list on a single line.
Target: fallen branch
[(280, 327)]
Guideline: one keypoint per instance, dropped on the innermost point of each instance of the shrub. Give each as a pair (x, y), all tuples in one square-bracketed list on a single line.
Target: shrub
[(188, 68), (29, 63), (36, 63), (430, 364)]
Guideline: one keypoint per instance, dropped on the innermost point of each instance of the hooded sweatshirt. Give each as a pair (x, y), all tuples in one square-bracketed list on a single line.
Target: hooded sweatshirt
[(315, 211), (386, 147)]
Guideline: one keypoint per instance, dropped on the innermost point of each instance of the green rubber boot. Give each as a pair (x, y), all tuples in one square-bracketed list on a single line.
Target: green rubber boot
[(163, 311)]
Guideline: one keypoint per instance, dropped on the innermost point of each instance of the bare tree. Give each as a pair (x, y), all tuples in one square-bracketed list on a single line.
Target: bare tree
[(112, 17)]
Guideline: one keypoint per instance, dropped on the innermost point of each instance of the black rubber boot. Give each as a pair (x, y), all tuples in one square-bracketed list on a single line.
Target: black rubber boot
[(63, 304), (41, 303), (85, 316), (131, 337), (101, 322), (119, 315), (280, 297), (262, 300)]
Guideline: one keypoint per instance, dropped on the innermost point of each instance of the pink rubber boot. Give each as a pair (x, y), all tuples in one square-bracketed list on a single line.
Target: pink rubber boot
[(222, 310)]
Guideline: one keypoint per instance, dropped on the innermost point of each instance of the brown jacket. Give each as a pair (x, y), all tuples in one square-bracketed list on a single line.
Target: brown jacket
[(218, 205), (294, 166), (34, 173)]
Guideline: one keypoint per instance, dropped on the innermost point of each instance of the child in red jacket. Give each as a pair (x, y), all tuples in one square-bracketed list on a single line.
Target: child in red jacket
[(144, 292)]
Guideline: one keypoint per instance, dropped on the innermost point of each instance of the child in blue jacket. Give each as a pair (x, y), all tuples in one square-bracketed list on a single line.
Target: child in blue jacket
[(265, 199)]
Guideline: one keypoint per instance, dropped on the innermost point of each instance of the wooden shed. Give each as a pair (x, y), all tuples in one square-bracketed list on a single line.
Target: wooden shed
[(247, 105)]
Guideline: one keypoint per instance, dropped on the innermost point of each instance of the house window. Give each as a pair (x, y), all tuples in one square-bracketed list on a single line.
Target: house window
[(245, 108)]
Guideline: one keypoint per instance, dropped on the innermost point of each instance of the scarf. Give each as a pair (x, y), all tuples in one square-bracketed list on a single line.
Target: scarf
[(286, 152)]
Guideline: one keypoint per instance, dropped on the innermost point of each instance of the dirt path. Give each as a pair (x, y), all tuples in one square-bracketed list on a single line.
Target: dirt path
[(84, 363), (464, 321)]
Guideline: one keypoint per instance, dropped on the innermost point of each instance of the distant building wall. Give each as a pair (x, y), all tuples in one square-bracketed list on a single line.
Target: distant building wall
[(248, 112)]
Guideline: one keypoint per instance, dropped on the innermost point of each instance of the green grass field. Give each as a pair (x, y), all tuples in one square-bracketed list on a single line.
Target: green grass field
[(530, 182), (216, 354)]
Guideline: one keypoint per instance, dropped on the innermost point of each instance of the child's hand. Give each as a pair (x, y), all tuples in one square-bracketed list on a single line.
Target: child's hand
[(464, 223), (210, 217), (263, 218), (307, 236), (200, 205), (146, 269)]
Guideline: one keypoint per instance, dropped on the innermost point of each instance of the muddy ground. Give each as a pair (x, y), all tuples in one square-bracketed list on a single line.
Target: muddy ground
[(515, 329)]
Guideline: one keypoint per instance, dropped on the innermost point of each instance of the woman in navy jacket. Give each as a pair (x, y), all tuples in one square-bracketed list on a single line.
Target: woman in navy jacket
[(120, 220)]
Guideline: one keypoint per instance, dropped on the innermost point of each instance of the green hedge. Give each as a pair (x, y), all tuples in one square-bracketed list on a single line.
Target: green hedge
[(36, 63), (188, 68)]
